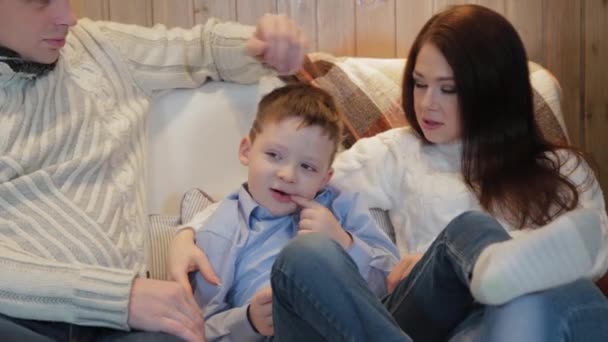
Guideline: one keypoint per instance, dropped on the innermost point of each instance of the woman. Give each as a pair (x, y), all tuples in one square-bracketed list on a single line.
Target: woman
[(473, 145), (472, 172)]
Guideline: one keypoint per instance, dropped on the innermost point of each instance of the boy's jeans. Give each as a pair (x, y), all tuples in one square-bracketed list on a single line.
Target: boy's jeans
[(318, 295)]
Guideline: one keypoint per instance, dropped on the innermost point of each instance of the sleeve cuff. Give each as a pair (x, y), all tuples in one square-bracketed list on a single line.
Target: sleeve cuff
[(238, 325), (102, 297)]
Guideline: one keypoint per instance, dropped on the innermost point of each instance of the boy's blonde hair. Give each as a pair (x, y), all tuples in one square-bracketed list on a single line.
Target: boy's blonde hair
[(313, 105)]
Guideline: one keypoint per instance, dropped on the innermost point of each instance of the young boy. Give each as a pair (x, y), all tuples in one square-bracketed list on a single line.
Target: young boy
[(288, 152)]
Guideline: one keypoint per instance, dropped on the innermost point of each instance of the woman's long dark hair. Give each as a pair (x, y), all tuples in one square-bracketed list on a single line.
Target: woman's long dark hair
[(506, 161)]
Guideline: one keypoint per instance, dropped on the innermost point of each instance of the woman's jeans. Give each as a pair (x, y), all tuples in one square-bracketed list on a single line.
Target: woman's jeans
[(319, 295)]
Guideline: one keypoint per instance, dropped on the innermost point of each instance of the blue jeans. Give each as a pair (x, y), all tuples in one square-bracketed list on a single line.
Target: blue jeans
[(318, 295), (14, 329)]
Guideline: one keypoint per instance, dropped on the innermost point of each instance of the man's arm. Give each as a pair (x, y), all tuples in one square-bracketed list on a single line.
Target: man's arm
[(162, 58)]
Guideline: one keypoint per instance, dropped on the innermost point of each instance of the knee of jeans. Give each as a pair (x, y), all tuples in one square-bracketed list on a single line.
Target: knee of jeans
[(305, 252), (471, 225), (534, 309)]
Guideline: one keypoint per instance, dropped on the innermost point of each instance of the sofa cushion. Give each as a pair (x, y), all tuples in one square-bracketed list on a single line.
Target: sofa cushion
[(163, 227)]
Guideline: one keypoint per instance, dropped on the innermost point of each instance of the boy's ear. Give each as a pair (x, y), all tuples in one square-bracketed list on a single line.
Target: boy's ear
[(244, 149), (327, 178)]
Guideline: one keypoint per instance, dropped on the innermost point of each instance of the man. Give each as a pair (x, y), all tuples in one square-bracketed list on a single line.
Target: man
[(73, 99)]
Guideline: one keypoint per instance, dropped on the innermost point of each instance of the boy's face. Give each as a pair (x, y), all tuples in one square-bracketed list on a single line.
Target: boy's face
[(286, 160), (35, 29)]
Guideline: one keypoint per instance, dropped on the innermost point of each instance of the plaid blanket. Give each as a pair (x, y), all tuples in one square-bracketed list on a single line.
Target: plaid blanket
[(368, 90)]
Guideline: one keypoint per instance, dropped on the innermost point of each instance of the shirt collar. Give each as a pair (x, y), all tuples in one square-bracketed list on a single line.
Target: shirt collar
[(14, 67)]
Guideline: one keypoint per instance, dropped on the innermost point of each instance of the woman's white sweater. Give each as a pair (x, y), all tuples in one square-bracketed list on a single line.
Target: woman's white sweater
[(422, 187)]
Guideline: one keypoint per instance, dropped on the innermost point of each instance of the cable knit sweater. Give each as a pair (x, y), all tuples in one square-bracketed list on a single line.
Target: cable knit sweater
[(422, 188), (72, 143)]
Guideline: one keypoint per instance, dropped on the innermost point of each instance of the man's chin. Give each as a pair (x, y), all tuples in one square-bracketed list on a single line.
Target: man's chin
[(44, 58)]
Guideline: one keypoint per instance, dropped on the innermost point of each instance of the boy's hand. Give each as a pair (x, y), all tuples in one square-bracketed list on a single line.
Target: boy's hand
[(260, 312), (315, 217), (401, 270)]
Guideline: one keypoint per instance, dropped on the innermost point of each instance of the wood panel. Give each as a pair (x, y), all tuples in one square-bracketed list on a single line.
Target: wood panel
[(497, 5), (411, 16), (305, 14), (96, 10), (205, 9), (248, 11), (439, 5), (336, 32), (562, 48), (173, 12), (596, 85), (132, 12), (372, 38), (527, 16)]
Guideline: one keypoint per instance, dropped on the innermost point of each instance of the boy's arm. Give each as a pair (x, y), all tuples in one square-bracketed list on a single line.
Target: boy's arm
[(222, 321), (372, 250)]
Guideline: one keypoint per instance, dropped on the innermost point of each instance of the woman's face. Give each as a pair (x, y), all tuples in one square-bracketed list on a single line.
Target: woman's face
[(436, 97)]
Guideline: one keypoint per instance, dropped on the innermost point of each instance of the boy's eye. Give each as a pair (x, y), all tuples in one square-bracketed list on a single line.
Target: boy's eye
[(273, 155), (309, 167)]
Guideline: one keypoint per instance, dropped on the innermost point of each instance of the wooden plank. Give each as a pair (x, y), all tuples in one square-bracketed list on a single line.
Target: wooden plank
[(375, 29), (248, 11), (132, 12), (303, 12), (596, 86), (497, 5), (562, 50), (411, 16), (205, 9), (527, 17), (173, 12), (440, 5), (336, 27), (93, 9)]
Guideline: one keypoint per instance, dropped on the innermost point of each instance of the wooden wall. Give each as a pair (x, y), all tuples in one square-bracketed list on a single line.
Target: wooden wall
[(569, 37)]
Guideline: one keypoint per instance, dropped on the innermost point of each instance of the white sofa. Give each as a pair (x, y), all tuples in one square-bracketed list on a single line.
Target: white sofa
[(194, 136)]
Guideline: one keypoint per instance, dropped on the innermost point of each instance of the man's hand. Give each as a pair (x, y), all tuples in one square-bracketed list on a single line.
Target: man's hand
[(315, 217), (165, 306), (278, 42), (184, 257), (260, 312), (401, 270)]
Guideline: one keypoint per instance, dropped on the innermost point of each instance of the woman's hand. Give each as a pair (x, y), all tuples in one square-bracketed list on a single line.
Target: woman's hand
[(401, 270), (185, 257)]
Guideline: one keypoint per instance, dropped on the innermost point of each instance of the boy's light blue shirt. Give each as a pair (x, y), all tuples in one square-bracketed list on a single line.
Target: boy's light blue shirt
[(242, 240)]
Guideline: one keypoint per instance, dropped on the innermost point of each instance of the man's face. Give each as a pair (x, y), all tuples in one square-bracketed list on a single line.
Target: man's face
[(35, 29)]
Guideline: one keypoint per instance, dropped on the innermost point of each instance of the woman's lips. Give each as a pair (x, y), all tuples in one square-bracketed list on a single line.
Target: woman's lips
[(430, 124)]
